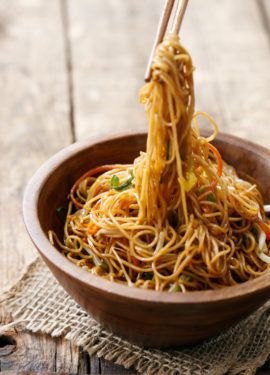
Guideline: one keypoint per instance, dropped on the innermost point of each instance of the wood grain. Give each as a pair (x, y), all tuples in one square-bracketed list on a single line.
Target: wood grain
[(264, 7), (38, 97), (231, 53), (110, 44), (34, 124), (34, 118)]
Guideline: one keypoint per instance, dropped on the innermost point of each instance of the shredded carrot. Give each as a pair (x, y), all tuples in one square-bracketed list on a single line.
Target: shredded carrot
[(92, 172), (96, 206), (219, 164), (92, 228), (264, 227), (125, 204), (85, 225), (135, 261), (89, 263)]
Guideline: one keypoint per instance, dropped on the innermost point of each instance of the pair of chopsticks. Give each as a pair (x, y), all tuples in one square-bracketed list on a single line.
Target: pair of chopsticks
[(162, 27)]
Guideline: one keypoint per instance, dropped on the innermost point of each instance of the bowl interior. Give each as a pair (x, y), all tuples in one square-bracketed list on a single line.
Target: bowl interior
[(50, 186), (193, 316), (55, 190), (251, 161)]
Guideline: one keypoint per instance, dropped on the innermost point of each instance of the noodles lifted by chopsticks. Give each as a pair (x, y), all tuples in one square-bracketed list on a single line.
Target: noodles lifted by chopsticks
[(178, 218)]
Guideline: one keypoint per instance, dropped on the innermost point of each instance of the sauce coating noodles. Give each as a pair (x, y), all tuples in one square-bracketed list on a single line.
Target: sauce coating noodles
[(177, 219)]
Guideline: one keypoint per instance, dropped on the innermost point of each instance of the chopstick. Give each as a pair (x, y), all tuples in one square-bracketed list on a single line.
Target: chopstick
[(179, 15), (162, 27)]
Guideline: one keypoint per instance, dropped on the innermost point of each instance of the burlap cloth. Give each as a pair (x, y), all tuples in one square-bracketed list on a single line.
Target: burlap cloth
[(39, 304)]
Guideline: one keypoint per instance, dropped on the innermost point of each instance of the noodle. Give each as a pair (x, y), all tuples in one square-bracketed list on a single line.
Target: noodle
[(177, 219)]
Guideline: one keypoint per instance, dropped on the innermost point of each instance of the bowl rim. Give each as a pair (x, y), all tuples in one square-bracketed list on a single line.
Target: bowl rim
[(53, 256)]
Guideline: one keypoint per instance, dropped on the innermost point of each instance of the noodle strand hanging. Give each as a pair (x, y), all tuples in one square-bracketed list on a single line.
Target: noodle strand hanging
[(177, 219)]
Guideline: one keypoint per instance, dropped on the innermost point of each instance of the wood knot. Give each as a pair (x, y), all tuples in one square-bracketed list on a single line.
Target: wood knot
[(7, 345)]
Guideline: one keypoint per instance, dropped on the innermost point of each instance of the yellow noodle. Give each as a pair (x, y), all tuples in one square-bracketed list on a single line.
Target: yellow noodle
[(174, 220)]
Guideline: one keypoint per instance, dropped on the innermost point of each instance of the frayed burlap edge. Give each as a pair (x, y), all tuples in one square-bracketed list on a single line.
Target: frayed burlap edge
[(39, 304)]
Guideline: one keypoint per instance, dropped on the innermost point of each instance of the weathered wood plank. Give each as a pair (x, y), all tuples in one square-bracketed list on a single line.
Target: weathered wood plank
[(230, 49), (66, 357), (108, 368), (84, 364), (264, 9), (30, 355), (33, 353), (264, 6), (110, 44), (34, 113), (34, 124), (95, 365)]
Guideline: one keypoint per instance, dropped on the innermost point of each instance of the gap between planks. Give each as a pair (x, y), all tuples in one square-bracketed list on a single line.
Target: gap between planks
[(264, 9), (34, 124), (68, 59)]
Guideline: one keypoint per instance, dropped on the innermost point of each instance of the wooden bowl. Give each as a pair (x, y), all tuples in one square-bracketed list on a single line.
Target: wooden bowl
[(156, 319)]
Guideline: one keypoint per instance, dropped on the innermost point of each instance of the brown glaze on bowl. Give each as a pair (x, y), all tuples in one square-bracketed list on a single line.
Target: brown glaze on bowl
[(157, 319)]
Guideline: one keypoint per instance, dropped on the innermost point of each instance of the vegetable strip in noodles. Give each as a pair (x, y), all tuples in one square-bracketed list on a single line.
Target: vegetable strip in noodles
[(179, 218)]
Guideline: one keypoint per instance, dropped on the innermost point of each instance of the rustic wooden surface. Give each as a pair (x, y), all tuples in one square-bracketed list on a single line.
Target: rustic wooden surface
[(71, 69)]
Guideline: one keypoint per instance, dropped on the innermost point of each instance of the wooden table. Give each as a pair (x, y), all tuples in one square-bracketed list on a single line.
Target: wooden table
[(71, 69)]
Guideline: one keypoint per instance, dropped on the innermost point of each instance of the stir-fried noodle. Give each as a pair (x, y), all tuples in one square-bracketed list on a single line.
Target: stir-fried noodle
[(179, 218)]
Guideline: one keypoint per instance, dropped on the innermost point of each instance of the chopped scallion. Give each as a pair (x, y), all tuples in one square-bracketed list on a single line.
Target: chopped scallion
[(246, 241), (104, 266), (147, 276), (84, 251), (255, 232), (186, 277), (115, 182), (211, 198)]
